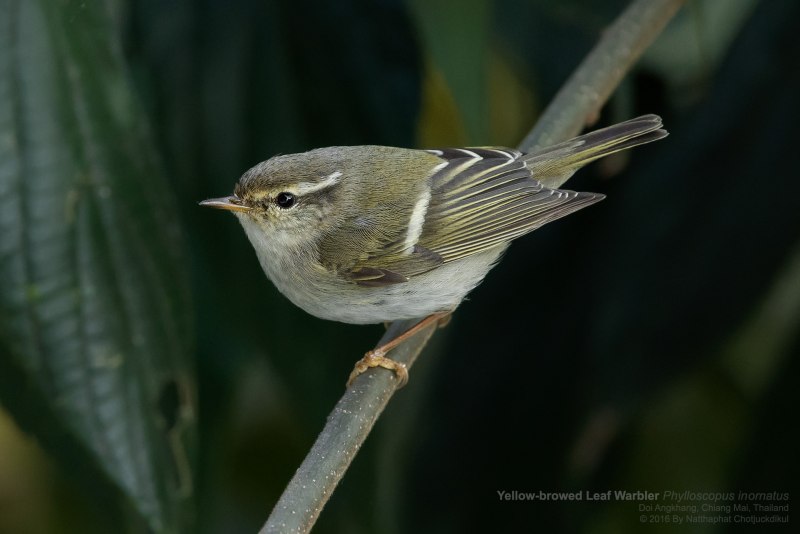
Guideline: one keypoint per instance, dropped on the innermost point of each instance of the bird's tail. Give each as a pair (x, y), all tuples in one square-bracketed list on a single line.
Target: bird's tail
[(556, 163)]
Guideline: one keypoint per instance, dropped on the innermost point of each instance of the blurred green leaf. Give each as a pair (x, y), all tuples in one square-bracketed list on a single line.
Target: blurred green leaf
[(692, 47), (461, 52), (94, 321)]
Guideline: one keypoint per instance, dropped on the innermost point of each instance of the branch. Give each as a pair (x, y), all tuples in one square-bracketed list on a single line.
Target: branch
[(356, 412), (580, 99), (347, 428)]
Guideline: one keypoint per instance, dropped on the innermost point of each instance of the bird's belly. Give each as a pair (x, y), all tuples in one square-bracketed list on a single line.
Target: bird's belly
[(324, 295)]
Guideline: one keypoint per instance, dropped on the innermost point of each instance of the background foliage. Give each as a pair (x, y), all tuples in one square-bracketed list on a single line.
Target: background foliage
[(649, 342)]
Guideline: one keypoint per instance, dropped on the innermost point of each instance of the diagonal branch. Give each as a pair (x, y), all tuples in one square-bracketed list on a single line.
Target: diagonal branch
[(580, 99), (352, 419), (347, 428)]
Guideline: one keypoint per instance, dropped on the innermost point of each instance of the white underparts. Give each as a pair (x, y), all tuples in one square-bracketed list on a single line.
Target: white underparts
[(417, 220)]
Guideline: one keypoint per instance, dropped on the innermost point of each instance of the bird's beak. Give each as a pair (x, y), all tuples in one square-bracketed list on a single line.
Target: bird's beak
[(231, 203)]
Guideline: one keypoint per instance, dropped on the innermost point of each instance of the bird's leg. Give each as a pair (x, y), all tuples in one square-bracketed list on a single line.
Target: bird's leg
[(377, 356)]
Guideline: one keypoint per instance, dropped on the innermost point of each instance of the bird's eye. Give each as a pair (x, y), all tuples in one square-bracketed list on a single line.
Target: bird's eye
[(285, 200)]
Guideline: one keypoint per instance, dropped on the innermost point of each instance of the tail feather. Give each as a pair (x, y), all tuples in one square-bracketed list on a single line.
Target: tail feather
[(561, 160)]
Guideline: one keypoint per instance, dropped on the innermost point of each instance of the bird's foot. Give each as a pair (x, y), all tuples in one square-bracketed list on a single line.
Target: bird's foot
[(376, 358)]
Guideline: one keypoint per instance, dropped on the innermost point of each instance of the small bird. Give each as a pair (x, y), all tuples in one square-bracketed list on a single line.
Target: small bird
[(370, 234)]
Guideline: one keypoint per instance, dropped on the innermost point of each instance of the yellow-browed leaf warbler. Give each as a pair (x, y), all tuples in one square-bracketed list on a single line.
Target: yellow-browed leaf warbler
[(369, 234)]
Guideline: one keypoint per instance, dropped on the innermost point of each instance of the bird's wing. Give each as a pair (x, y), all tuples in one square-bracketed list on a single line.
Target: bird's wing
[(376, 247), (478, 198), (483, 197)]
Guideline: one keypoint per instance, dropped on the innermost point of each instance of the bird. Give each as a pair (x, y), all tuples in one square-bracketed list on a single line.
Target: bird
[(374, 234)]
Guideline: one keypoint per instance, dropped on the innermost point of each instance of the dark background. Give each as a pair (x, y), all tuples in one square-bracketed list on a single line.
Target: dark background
[(649, 342)]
